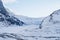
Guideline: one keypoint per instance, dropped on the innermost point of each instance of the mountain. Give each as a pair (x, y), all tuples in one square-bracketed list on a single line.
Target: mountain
[(30, 21), (51, 20), (7, 19), (26, 28), (51, 24), (26, 20)]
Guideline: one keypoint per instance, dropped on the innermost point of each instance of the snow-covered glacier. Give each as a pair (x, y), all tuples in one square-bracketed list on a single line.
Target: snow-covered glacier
[(13, 27)]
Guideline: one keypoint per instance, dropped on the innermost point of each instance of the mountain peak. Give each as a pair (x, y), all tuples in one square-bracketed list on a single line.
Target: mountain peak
[(1, 4), (56, 12), (8, 18), (2, 9)]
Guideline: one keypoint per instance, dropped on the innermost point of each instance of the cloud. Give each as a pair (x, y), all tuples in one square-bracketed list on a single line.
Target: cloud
[(9, 1)]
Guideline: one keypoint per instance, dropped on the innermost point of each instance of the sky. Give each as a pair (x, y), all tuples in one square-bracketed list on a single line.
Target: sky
[(32, 8)]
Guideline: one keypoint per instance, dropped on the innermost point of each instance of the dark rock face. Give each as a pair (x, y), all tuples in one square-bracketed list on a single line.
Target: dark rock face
[(14, 20), (2, 9), (5, 16)]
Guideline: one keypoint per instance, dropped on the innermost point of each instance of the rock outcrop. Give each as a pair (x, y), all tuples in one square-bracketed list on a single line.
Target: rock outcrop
[(8, 19)]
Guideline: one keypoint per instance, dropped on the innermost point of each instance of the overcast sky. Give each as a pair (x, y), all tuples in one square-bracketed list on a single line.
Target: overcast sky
[(32, 8)]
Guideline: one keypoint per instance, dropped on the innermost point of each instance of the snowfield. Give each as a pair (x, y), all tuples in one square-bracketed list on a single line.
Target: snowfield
[(30, 32)]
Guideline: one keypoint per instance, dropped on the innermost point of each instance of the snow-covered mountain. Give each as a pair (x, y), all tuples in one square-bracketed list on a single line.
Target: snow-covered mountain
[(30, 21), (27, 20), (47, 28), (51, 20), (51, 24), (11, 27), (6, 18)]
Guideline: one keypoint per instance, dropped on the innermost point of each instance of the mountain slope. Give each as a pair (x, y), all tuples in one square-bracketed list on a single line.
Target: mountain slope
[(6, 18), (49, 27), (52, 19), (51, 24)]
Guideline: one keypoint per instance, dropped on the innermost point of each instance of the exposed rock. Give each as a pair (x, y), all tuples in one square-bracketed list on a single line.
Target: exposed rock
[(6, 17)]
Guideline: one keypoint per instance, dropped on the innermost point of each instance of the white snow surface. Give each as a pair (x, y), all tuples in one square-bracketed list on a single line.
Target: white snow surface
[(50, 29), (30, 21), (30, 32)]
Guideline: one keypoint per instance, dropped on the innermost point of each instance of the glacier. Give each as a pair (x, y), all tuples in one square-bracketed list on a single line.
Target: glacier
[(14, 27)]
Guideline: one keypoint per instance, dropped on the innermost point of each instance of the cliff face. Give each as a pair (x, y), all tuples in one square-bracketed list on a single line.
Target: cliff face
[(8, 19)]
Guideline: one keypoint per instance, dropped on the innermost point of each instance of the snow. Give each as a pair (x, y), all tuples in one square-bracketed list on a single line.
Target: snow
[(30, 32), (50, 29), (30, 21)]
